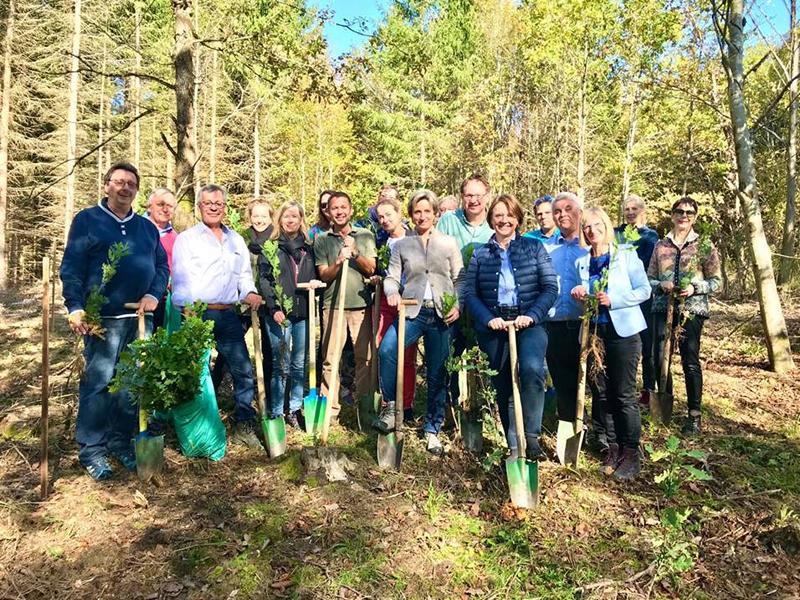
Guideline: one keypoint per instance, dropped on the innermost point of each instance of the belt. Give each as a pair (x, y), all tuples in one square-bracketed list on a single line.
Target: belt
[(509, 313), (429, 304), (220, 306)]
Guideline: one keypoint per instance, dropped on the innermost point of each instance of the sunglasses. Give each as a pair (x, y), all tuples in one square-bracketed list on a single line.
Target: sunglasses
[(679, 212)]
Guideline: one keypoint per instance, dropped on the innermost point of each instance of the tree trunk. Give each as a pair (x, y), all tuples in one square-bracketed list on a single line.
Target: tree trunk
[(137, 86), (629, 146), (582, 118), (195, 133), (788, 243), (777, 336), (183, 62), (256, 156), (101, 122), (212, 143), (5, 121), (72, 120)]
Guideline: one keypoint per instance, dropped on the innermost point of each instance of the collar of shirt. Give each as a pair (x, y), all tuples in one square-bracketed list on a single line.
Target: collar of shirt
[(103, 204), (161, 232), (693, 235), (494, 241)]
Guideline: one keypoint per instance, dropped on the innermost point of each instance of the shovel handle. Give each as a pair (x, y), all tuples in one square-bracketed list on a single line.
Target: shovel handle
[(666, 349), (142, 334), (255, 325), (580, 398), (316, 284), (518, 420), (336, 334)]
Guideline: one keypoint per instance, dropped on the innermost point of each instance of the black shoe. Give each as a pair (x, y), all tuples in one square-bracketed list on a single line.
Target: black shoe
[(691, 426), (291, 421), (611, 458), (630, 465), (385, 421), (244, 434), (301, 420), (408, 416), (533, 451)]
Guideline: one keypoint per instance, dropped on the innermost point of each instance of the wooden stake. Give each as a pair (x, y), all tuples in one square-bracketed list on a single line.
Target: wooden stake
[(43, 452)]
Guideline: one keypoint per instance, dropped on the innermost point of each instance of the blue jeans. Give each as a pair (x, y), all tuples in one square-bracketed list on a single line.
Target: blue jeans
[(106, 422), (229, 336), (531, 350), (436, 333), (288, 363)]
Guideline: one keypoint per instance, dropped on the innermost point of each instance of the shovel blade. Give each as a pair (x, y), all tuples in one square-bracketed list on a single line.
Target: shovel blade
[(275, 434), (314, 412), (471, 433), (523, 482), (390, 451), (149, 455), (568, 443), (661, 407)]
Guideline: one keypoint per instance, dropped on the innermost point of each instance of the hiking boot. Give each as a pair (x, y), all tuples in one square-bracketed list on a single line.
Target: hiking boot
[(630, 465), (611, 459), (291, 420), (434, 446), (127, 458), (99, 469), (691, 426), (533, 451), (244, 434), (408, 416), (384, 423)]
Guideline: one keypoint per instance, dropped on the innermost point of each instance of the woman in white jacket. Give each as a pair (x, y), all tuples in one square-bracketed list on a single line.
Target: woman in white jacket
[(615, 276)]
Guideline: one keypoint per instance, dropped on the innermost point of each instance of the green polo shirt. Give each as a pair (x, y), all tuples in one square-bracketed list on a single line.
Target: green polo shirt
[(327, 246)]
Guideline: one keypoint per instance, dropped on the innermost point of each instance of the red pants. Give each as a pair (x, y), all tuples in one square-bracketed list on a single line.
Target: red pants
[(388, 316)]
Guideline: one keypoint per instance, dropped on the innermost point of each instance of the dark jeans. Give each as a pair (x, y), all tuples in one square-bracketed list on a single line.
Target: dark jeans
[(436, 333), (615, 407), (106, 422), (689, 346), (458, 343), (563, 355), (221, 366), (229, 336), (531, 348), (648, 366)]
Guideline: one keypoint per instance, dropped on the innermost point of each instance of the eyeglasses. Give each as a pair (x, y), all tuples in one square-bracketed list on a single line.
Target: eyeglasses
[(473, 196), (207, 204), (679, 212), (124, 183)]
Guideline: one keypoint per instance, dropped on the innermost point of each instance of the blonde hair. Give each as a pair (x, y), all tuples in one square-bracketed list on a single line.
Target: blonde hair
[(598, 212), (277, 230)]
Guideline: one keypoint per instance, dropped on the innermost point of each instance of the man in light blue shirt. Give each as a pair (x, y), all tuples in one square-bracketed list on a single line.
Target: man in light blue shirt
[(543, 209), (211, 263), (563, 326)]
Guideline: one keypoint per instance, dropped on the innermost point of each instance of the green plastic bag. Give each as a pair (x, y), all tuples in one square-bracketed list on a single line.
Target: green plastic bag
[(172, 315)]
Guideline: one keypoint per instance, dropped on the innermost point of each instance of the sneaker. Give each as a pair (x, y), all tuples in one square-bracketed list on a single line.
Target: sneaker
[(385, 421), (291, 421), (127, 459), (630, 465), (533, 451), (691, 426), (434, 446), (99, 469), (611, 459), (244, 434)]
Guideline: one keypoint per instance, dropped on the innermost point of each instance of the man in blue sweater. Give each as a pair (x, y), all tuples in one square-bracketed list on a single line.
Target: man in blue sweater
[(106, 422)]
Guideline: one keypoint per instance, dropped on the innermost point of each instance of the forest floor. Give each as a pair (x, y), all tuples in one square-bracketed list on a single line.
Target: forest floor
[(250, 527)]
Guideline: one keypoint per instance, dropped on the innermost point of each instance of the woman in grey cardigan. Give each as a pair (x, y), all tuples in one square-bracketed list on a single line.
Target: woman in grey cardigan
[(422, 267)]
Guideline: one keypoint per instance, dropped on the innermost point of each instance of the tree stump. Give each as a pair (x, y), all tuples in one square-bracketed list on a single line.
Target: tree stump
[(326, 464)]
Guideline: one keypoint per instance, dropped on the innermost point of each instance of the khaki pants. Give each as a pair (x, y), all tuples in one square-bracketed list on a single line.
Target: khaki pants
[(358, 325)]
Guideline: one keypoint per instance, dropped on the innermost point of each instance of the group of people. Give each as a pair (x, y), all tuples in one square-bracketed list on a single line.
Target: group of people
[(469, 263)]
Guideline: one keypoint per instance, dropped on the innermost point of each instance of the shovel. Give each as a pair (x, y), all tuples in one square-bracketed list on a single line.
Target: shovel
[(569, 436), (470, 427), (337, 337), (522, 474), (313, 404), (369, 407), (661, 401), (274, 429), (390, 446), (149, 448)]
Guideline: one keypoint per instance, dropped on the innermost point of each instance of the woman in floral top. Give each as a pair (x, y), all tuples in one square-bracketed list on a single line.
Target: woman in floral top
[(689, 285)]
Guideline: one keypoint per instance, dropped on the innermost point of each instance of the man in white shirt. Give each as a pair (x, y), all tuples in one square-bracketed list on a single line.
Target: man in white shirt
[(211, 263)]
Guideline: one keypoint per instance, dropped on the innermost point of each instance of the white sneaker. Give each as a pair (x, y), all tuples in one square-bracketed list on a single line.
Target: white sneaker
[(434, 445)]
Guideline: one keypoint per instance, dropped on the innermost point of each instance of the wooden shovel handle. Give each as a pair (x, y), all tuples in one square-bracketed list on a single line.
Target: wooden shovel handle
[(336, 334), (311, 286), (261, 396), (666, 348), (583, 358), (518, 420)]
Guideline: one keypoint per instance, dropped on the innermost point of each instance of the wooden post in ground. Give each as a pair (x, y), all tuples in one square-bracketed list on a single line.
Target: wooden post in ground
[(43, 452)]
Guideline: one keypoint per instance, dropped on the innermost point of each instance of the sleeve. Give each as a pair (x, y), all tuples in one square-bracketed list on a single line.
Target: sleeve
[(456, 271), (391, 284), (548, 284), (246, 284), (75, 265), (182, 275), (712, 275), (158, 287), (320, 254), (639, 286), (469, 292)]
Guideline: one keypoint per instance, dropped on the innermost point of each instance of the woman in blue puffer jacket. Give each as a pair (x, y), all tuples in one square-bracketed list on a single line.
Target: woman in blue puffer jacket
[(511, 278)]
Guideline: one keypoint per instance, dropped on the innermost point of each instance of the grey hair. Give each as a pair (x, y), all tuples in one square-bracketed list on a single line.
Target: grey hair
[(421, 195), (158, 192), (210, 188), (568, 196), (637, 199)]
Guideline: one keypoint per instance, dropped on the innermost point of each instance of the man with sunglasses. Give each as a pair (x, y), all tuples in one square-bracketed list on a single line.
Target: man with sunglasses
[(106, 422)]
